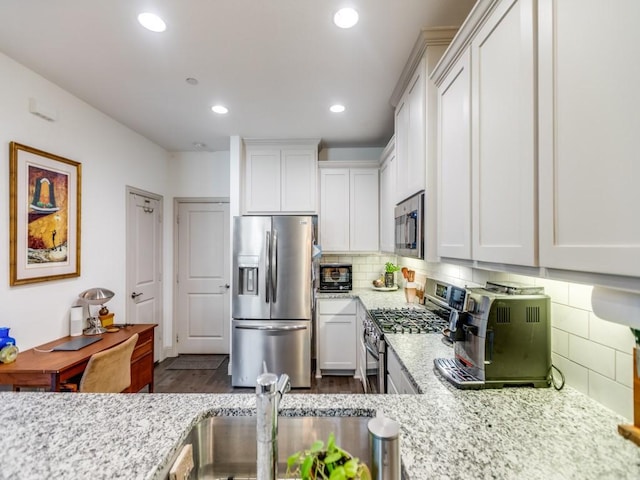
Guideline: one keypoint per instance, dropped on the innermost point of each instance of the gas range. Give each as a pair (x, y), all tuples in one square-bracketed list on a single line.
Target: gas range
[(410, 320), (385, 321)]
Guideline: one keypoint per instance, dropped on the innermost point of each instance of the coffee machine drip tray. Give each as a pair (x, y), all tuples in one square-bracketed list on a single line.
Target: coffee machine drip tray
[(456, 373)]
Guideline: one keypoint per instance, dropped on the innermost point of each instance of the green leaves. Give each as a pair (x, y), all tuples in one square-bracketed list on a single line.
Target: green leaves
[(390, 267), (332, 463)]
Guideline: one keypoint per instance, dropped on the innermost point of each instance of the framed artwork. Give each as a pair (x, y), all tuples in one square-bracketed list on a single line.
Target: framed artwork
[(44, 219)]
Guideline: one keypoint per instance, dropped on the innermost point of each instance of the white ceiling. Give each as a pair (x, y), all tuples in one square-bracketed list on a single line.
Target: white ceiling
[(276, 64)]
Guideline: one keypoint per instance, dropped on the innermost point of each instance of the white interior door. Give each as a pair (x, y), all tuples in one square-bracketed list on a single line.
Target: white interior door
[(203, 254), (144, 262)]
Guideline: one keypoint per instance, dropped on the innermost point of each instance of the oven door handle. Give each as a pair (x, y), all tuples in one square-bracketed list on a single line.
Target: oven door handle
[(372, 351)]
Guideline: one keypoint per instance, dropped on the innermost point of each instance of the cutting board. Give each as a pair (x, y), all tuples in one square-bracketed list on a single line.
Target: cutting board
[(632, 432)]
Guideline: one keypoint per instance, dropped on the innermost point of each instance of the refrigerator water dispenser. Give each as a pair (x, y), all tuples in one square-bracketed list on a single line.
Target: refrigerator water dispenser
[(248, 275)]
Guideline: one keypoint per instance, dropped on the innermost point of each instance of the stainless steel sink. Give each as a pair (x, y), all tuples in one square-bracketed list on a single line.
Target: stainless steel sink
[(225, 447)]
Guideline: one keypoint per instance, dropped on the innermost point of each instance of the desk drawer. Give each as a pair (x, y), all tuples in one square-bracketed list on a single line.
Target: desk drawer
[(142, 349)]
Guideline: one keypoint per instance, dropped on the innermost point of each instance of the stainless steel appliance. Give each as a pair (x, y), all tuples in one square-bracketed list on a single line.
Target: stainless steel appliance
[(395, 320), (272, 298), (503, 338), (450, 297), (409, 220), (335, 277)]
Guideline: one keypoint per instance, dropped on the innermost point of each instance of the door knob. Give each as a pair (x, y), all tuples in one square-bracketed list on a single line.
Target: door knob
[(134, 295), (227, 286)]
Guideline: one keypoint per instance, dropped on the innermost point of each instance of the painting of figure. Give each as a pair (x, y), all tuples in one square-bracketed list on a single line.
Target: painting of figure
[(44, 220), (48, 228)]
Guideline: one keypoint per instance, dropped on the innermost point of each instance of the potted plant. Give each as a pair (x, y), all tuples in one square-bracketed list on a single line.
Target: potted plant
[(389, 274), (328, 463)]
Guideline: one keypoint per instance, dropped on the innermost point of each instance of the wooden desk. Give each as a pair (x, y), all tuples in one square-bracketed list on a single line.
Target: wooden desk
[(50, 369)]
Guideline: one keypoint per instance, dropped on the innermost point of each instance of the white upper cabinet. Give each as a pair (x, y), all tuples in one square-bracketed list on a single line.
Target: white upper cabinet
[(387, 199), (415, 98), (504, 196), (281, 178), (299, 180), (487, 191), (349, 209), (554, 139), (454, 161), (334, 209), (262, 180), (410, 134), (363, 210), (589, 134)]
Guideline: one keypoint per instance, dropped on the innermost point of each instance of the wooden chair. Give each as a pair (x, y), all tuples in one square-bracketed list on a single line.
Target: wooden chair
[(109, 371)]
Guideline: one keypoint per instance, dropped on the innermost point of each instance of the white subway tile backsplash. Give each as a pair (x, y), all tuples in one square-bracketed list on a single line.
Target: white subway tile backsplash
[(558, 291), (592, 355), (577, 376), (480, 277), (466, 274), (613, 395), (624, 369), (560, 342), (451, 271), (580, 296), (500, 276), (610, 334), (522, 279), (570, 320)]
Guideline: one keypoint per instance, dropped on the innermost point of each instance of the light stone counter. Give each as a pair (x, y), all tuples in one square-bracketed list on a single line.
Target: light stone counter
[(514, 433)]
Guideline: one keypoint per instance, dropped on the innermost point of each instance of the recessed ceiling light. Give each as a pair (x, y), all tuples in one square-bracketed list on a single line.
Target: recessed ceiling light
[(152, 22), (191, 81), (337, 108), (220, 109), (199, 144), (345, 17)]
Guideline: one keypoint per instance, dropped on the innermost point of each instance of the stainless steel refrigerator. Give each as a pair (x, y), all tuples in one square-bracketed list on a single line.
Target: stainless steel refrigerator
[(272, 298)]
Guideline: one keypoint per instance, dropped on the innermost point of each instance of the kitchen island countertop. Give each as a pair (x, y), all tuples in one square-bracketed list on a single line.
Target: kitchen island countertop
[(513, 433)]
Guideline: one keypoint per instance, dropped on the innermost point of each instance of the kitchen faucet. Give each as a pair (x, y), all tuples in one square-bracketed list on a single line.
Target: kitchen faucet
[(269, 391)]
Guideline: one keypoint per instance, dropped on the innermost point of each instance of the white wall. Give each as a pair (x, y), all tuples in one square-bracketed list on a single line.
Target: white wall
[(595, 355), (199, 174), (112, 157), (350, 154), (195, 175)]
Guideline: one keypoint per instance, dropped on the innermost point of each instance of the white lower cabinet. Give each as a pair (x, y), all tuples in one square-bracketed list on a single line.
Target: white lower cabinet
[(336, 339), (397, 379)]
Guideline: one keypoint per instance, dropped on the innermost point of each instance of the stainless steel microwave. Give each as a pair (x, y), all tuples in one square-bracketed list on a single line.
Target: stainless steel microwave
[(409, 225)]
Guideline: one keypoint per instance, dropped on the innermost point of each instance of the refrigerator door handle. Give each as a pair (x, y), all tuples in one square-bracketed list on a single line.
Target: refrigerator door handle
[(272, 328), (274, 264), (267, 249)]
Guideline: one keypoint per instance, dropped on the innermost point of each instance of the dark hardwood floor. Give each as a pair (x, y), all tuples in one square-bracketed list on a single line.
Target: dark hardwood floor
[(218, 381)]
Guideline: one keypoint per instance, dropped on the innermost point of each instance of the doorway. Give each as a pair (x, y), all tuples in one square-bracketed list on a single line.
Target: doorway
[(202, 261), (144, 262)]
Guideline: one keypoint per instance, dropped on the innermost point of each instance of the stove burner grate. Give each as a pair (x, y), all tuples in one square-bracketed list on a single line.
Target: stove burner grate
[(409, 320)]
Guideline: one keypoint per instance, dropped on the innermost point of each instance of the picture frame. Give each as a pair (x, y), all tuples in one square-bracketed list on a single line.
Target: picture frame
[(44, 216)]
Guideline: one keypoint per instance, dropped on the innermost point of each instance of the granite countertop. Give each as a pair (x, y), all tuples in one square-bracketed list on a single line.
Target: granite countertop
[(513, 433)]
